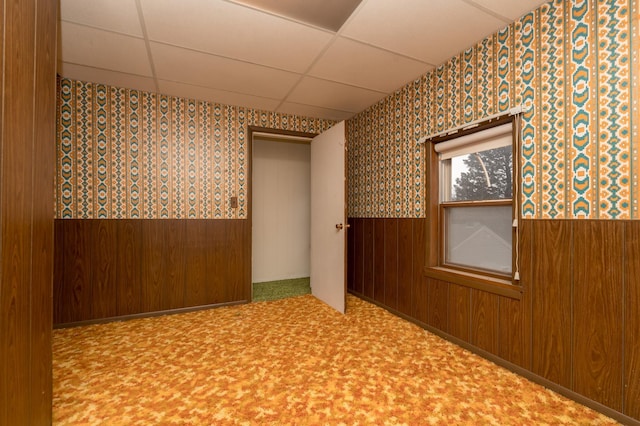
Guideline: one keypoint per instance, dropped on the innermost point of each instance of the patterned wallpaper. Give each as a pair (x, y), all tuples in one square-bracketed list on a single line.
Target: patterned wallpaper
[(132, 154), (572, 64)]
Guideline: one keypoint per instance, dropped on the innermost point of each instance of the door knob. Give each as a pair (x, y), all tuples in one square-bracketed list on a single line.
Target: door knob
[(339, 226)]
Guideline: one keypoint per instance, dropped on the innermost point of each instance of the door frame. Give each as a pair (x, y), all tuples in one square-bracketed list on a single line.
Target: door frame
[(249, 229)]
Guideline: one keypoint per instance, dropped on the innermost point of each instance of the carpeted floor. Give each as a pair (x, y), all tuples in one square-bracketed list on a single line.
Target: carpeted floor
[(291, 361), (274, 290)]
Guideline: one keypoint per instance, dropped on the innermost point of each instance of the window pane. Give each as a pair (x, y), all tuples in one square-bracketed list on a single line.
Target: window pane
[(484, 175), (479, 237)]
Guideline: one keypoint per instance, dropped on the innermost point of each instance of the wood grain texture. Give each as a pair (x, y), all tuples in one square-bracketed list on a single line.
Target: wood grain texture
[(15, 216), (368, 284), (231, 258), (551, 292), (438, 304), (128, 270), (459, 312), (358, 256), (72, 288), (378, 260), (103, 257), (127, 267), (514, 317), (632, 321), (419, 299), (350, 255), (202, 265), (597, 306), (391, 263), (405, 265), (153, 268), (27, 132), (175, 262), (42, 241), (484, 320)]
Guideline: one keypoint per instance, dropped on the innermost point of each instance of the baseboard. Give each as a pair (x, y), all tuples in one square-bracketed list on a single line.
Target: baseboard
[(581, 399), (147, 314)]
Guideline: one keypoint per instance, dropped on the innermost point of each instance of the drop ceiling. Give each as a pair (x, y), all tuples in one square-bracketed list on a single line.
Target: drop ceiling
[(328, 59)]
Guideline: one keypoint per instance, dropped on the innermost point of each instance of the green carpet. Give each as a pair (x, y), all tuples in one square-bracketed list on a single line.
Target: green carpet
[(273, 290)]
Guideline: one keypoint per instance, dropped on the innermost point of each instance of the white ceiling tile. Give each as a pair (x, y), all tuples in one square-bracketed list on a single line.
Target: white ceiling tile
[(234, 31), (313, 111), (330, 95), (103, 49), (200, 69), (112, 78), (431, 31), (509, 8), (216, 96), (351, 62), (114, 15)]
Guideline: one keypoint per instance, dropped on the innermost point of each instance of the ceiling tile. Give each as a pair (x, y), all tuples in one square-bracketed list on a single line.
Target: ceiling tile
[(330, 95), (351, 62), (103, 49), (216, 96), (509, 8), (200, 69), (431, 31), (234, 31), (112, 78), (329, 14), (313, 111), (113, 15)]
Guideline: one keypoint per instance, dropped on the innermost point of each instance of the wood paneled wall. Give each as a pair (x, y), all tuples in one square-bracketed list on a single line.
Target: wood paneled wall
[(107, 268), (576, 325), (27, 159)]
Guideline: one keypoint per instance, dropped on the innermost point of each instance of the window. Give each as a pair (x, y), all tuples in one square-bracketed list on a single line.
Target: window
[(473, 202)]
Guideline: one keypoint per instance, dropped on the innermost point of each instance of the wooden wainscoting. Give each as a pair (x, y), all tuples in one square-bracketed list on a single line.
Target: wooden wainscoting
[(577, 323), (108, 268)]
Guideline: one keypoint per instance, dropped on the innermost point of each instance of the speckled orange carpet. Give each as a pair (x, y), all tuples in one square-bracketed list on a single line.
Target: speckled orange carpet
[(291, 361)]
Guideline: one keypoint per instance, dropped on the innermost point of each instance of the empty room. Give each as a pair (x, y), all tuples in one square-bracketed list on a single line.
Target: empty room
[(320, 212)]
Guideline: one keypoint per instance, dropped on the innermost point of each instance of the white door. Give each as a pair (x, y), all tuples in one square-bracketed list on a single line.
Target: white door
[(328, 217)]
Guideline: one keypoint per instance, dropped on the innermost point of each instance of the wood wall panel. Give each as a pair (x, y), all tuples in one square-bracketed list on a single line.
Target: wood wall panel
[(405, 265), (597, 307), (391, 263), (230, 257), (43, 231), (175, 262), (632, 321), (484, 320), (515, 315), (350, 255), (378, 260), (459, 311), (358, 256), (104, 297), (202, 265), (369, 263), (438, 304), (551, 293), (72, 286), (142, 266), (27, 130), (16, 176), (419, 299), (128, 270), (153, 268)]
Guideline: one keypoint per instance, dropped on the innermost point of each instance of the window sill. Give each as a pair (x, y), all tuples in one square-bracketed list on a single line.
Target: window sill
[(498, 286)]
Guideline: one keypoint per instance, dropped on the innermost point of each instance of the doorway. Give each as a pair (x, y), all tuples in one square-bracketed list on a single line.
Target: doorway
[(281, 215), (328, 227)]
